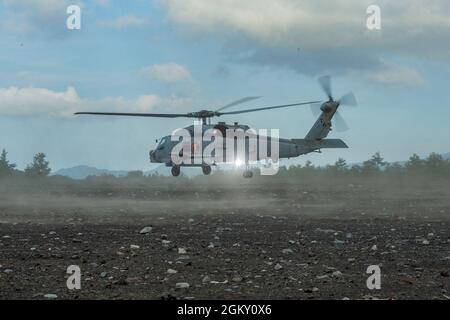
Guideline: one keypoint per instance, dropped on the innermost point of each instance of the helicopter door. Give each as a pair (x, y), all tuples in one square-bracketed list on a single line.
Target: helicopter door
[(251, 148)]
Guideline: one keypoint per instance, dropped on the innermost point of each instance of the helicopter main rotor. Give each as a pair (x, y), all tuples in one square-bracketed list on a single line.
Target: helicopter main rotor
[(203, 115)]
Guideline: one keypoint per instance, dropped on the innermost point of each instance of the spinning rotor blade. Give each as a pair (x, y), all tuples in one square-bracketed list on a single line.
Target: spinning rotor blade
[(156, 115), (193, 114), (340, 123), (325, 83), (348, 100), (235, 103), (265, 108)]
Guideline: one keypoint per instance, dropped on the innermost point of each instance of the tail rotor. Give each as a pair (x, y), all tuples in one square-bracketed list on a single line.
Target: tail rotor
[(347, 100)]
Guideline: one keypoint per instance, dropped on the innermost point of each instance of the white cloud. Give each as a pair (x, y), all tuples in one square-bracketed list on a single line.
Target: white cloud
[(123, 22), (394, 75), (35, 101), (44, 102), (169, 72), (317, 36), (37, 17), (316, 24)]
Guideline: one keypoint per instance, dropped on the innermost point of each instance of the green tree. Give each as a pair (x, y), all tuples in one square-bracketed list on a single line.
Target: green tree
[(374, 165), (355, 170), (39, 167), (394, 169), (6, 168), (436, 164), (415, 164), (339, 167), (378, 160)]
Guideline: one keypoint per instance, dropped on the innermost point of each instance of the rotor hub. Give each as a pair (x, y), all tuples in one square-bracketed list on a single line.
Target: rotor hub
[(328, 107)]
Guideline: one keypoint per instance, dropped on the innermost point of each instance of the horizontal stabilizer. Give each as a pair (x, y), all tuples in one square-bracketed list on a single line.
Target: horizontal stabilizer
[(320, 144)]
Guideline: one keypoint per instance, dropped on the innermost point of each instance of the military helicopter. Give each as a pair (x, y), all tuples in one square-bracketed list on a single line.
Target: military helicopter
[(314, 141)]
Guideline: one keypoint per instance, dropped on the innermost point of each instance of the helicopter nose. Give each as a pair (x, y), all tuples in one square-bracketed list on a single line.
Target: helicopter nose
[(152, 156)]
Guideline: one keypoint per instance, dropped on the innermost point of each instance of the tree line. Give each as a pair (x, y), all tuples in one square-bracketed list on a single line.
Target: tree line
[(39, 167), (433, 166)]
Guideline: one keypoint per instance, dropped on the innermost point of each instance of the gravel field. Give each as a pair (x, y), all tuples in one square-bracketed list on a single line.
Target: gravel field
[(270, 243)]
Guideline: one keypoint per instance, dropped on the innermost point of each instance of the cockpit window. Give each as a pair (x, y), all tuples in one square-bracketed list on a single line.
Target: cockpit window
[(161, 144), (162, 141)]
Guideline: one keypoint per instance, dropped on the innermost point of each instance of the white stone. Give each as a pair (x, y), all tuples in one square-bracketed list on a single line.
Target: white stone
[(182, 285), (146, 230), (337, 274)]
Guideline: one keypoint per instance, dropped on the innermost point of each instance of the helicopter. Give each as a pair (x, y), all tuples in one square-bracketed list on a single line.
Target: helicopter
[(314, 141)]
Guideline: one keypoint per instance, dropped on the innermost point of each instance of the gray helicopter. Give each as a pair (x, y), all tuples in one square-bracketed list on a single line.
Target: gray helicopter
[(314, 141)]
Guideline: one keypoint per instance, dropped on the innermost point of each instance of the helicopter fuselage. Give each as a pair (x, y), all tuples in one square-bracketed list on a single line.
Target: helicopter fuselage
[(261, 150)]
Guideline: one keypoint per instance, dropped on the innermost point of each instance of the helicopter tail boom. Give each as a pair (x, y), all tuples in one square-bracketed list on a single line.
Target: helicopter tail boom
[(320, 144)]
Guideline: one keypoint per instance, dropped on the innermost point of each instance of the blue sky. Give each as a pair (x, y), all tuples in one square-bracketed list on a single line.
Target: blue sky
[(172, 56)]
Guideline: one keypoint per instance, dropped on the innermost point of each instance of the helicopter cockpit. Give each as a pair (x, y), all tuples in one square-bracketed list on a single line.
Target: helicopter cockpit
[(157, 155), (161, 144)]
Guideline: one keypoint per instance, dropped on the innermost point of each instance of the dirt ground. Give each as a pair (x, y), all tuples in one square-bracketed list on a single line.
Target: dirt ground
[(266, 242)]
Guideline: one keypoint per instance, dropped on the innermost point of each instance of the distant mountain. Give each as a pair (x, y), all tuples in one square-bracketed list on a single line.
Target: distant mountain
[(82, 172), (446, 156)]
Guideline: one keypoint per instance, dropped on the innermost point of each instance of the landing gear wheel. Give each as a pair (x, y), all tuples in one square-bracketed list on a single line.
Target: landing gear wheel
[(206, 170), (248, 174), (175, 171)]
